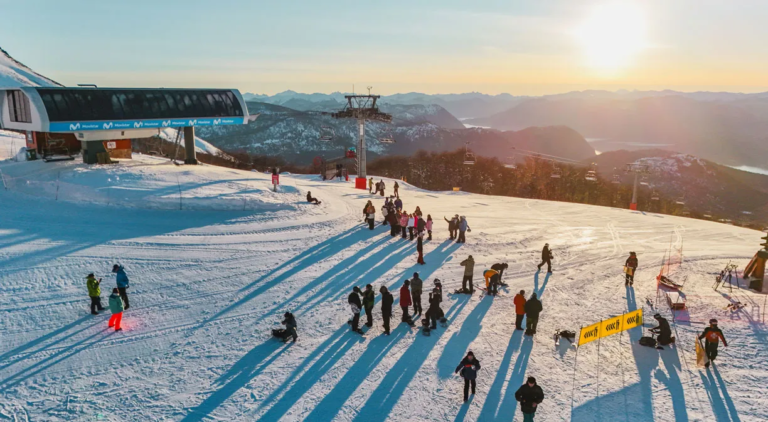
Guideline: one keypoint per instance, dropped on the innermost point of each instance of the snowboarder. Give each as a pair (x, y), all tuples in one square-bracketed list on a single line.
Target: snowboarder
[(546, 258), (411, 224), (386, 307), (381, 187), (491, 282), (404, 223), (468, 367), (452, 225), (416, 285), (290, 329), (664, 332), (630, 266), (116, 307), (429, 226), (529, 395), (712, 335), (519, 309), (397, 188), (369, 297), (405, 301), (463, 228), (500, 267), (312, 200), (398, 204), (355, 306), (371, 216), (469, 268), (420, 248), (370, 185), (122, 283), (532, 310), (94, 292)]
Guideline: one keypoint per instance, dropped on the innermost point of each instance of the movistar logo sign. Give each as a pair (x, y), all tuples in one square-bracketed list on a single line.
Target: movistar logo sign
[(166, 123), (192, 122), (74, 127), (108, 125), (138, 124), (216, 121)]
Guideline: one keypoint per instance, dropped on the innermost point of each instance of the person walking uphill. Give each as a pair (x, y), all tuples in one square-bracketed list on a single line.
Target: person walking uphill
[(354, 303), (397, 190), (405, 302), (416, 287), (94, 292), (532, 310), (369, 297), (386, 307), (469, 268), (630, 268), (712, 335), (519, 309), (546, 258), (463, 228), (122, 283), (530, 395), (468, 367), (116, 307)]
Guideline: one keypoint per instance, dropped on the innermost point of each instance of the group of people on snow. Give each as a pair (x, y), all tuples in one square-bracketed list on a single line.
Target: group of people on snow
[(380, 186), (118, 300), (457, 228)]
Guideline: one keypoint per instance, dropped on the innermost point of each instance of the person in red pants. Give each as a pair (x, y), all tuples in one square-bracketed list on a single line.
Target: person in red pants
[(116, 307)]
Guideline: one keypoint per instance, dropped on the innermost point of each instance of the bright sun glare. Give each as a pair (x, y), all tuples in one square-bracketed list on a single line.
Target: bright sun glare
[(612, 35)]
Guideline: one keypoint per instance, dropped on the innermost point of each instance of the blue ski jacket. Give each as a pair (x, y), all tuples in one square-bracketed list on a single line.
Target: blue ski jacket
[(122, 278)]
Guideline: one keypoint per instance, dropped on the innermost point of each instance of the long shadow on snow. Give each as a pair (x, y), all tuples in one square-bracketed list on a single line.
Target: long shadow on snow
[(540, 291), (237, 377), (723, 410), (324, 357), (671, 361), (433, 261), (460, 340), (391, 388), (491, 409)]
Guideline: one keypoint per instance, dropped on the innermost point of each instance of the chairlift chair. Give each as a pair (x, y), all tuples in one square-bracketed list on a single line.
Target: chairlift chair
[(387, 138), (556, 173), (591, 176), (469, 158), (680, 200), (654, 196), (616, 179), (510, 166), (326, 133)]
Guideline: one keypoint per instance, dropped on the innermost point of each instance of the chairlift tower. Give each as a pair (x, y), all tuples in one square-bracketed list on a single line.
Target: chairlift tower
[(638, 169), (362, 108)]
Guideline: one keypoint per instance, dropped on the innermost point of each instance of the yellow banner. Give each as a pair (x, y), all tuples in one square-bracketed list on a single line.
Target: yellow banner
[(611, 326)]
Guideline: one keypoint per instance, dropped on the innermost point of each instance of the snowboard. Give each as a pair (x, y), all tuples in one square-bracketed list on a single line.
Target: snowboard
[(701, 356)]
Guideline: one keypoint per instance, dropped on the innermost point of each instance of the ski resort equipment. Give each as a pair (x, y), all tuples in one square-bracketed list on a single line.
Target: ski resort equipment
[(326, 133), (637, 169), (469, 157), (362, 108), (755, 270), (387, 138), (610, 326), (701, 356), (672, 261)]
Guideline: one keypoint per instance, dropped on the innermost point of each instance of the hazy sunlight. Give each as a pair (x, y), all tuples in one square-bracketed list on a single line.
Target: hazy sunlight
[(612, 35)]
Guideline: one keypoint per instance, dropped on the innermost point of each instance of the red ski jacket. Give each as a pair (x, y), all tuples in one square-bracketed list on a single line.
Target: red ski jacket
[(405, 296), (519, 304)]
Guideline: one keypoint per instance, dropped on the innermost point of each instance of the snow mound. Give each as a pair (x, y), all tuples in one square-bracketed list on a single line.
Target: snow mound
[(15, 74)]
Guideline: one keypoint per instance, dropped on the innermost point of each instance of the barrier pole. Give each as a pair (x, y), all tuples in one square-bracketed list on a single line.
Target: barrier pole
[(575, 360)]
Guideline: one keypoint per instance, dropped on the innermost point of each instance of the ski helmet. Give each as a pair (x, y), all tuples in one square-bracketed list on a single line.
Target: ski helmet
[(657, 316), (713, 321)]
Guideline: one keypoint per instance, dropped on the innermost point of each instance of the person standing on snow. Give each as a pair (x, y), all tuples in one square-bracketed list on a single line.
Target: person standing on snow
[(369, 297), (371, 216), (416, 285), (452, 224), (631, 265), (420, 248), (468, 367), (122, 283), (663, 330), (469, 268), (116, 307), (399, 204), (405, 301), (397, 188), (411, 223), (370, 185), (404, 223), (530, 395), (384, 213), (355, 306), (463, 228), (418, 212), (434, 312), (712, 335), (394, 222), (429, 226), (381, 187), (94, 292), (546, 258), (519, 309), (386, 307), (532, 310)]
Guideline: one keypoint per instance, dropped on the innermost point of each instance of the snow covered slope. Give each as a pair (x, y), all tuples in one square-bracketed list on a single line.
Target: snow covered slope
[(11, 143), (15, 74), (207, 286)]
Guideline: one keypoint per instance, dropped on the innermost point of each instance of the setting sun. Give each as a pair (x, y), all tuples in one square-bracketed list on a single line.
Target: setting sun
[(612, 35)]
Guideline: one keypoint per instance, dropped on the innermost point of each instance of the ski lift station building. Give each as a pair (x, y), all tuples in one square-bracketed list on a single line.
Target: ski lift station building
[(67, 120)]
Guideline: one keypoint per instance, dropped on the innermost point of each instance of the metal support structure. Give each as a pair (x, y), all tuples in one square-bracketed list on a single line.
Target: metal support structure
[(637, 169), (361, 169), (633, 204), (189, 145)]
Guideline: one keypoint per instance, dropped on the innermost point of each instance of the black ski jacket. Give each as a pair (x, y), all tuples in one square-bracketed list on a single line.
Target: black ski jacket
[(546, 254), (533, 307), (527, 396), (386, 303), (354, 299), (664, 331), (368, 298), (468, 368), (631, 262)]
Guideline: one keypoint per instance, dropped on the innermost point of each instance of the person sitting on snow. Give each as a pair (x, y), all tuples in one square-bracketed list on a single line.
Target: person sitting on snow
[(663, 330), (310, 199)]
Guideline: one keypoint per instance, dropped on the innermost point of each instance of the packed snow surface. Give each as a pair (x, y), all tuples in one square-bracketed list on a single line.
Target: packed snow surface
[(208, 283)]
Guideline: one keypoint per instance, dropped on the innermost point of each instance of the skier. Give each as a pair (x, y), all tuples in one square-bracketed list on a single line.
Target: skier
[(369, 297), (370, 186), (664, 332), (116, 307), (468, 367), (355, 306), (416, 285), (312, 200), (371, 215), (399, 204), (404, 222), (411, 223), (122, 283), (712, 335), (500, 267), (94, 291), (463, 228), (519, 309), (452, 225), (381, 187), (429, 226), (434, 312), (546, 258), (386, 307), (469, 268), (420, 248), (491, 282), (405, 301), (532, 310), (529, 395), (631, 265), (397, 187)]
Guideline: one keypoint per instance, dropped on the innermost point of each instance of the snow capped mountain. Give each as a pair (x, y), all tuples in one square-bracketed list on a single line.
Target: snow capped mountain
[(14, 74)]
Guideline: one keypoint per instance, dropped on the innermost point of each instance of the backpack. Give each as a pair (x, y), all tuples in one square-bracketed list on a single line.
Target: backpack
[(648, 341)]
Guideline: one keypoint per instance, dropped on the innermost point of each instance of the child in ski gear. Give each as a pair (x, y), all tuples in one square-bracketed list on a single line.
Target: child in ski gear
[(420, 248), (371, 215), (411, 223), (94, 292), (529, 395), (416, 285), (386, 307), (405, 301), (532, 310), (468, 367), (365, 210), (546, 258), (491, 281), (469, 268), (404, 222), (519, 309), (122, 283), (290, 328), (631, 265), (355, 306), (664, 332), (429, 226), (500, 267), (452, 225), (463, 228), (310, 199), (712, 336), (369, 297), (397, 187), (116, 307)]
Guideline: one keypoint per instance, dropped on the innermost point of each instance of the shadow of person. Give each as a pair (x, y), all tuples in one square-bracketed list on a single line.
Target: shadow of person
[(726, 396), (671, 361)]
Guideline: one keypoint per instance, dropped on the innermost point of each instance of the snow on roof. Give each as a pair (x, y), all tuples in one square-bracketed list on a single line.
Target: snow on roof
[(14, 74)]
